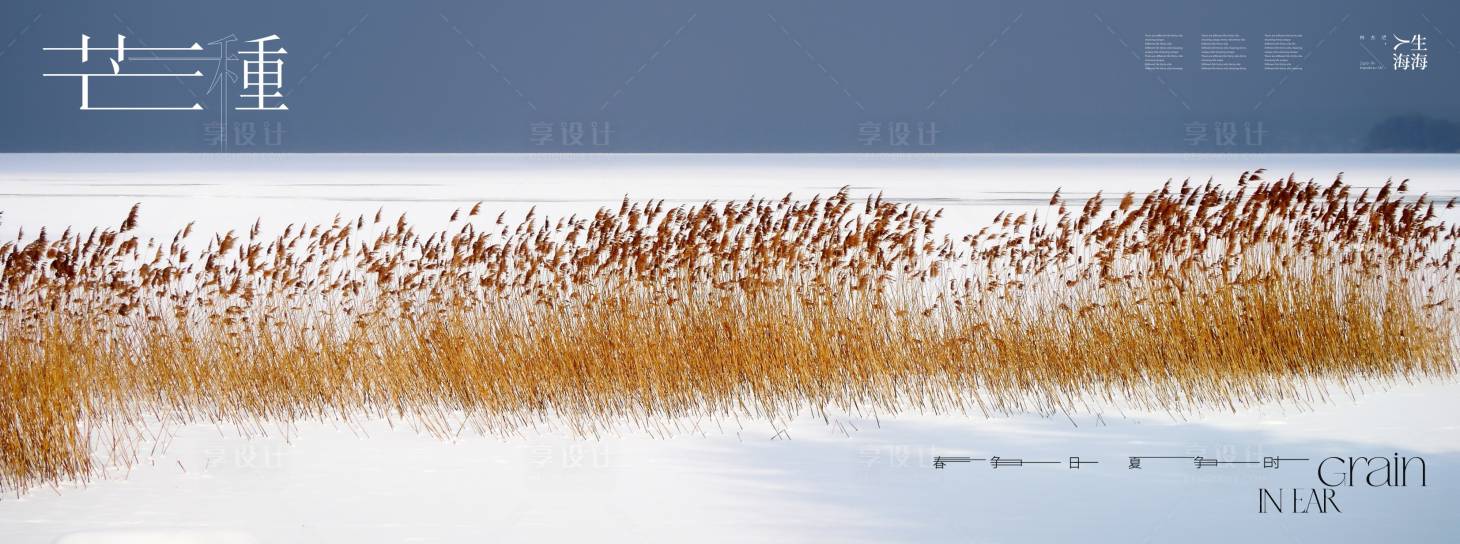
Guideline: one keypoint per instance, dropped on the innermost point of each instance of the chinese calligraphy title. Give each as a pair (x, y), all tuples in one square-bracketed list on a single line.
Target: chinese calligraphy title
[(263, 70)]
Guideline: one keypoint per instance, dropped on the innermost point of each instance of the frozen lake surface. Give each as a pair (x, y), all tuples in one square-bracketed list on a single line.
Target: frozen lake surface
[(856, 477)]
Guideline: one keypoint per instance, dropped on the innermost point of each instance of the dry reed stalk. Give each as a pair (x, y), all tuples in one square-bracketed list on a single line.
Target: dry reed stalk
[(1185, 298)]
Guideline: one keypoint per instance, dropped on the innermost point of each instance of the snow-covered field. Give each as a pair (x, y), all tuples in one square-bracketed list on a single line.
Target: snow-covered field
[(853, 477)]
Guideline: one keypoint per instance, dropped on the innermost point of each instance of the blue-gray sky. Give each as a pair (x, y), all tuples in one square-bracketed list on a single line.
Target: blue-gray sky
[(743, 76)]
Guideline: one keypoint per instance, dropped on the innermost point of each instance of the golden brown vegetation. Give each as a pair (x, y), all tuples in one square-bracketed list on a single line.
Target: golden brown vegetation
[(1183, 297)]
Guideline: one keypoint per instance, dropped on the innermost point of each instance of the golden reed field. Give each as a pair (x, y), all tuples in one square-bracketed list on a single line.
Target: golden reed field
[(1190, 297)]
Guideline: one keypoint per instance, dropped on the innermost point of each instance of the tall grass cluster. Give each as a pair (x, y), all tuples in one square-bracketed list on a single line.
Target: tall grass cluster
[(1185, 297)]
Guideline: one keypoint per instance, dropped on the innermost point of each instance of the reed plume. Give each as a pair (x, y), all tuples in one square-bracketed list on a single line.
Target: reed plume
[(1187, 297)]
